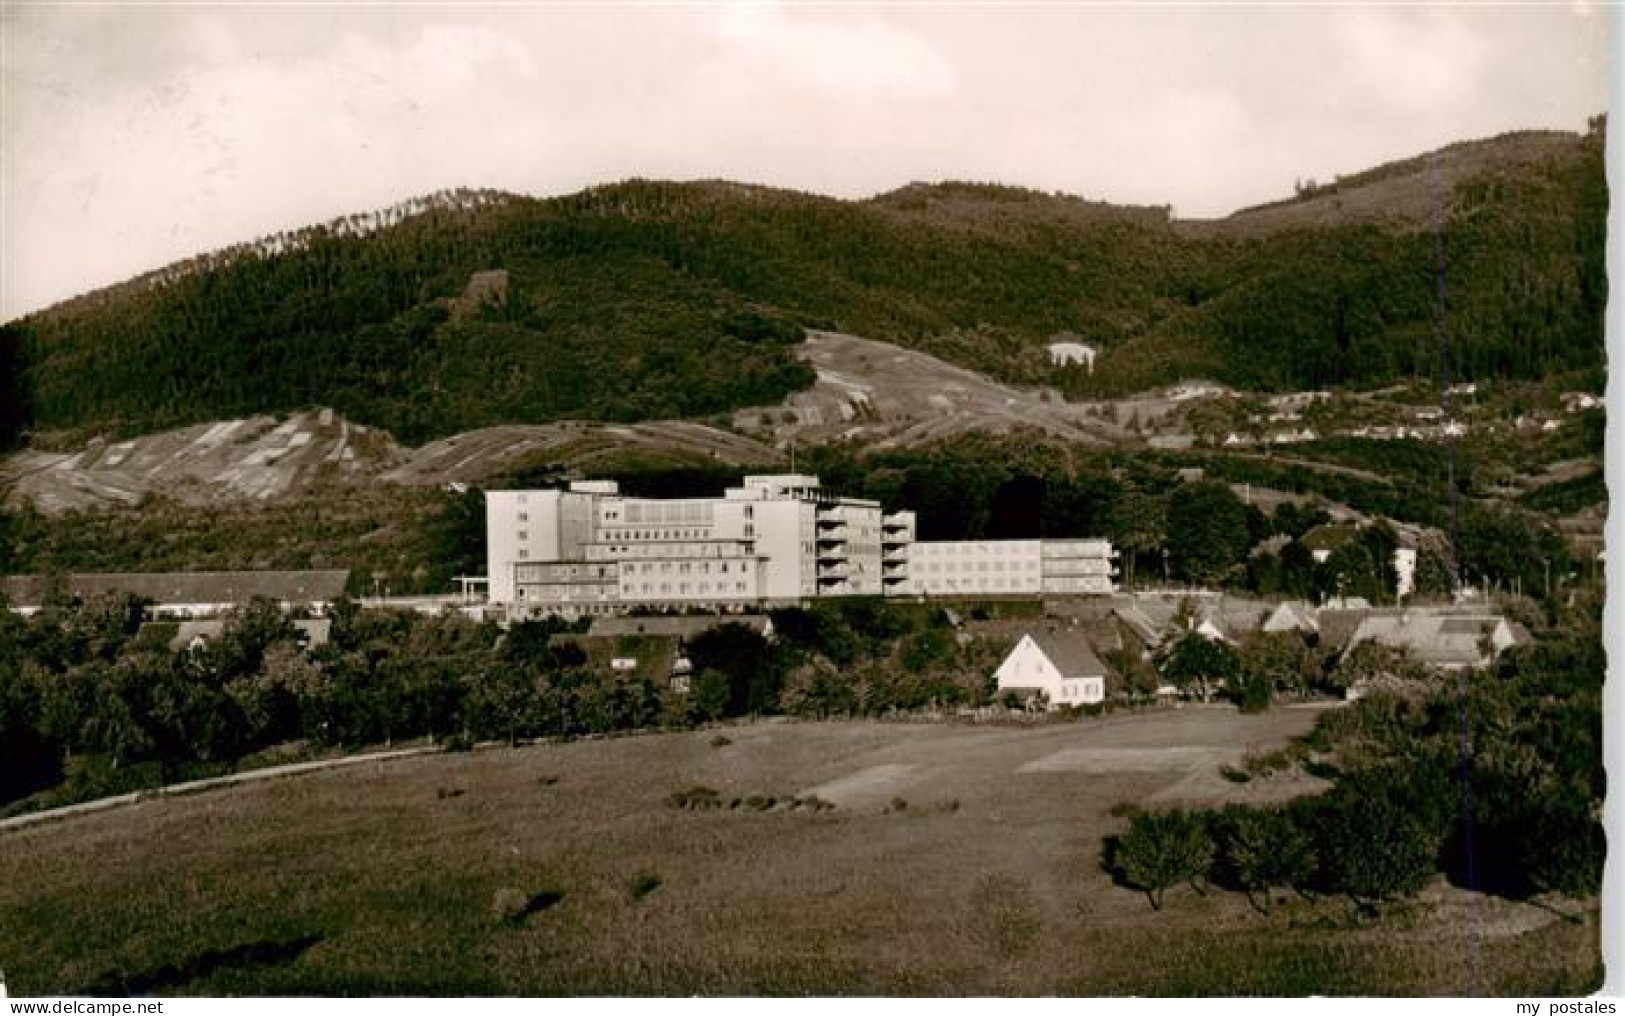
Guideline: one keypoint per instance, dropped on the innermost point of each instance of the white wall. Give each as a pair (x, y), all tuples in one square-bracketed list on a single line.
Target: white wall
[(520, 525), (975, 567)]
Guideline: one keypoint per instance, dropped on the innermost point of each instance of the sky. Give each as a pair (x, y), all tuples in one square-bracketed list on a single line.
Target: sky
[(133, 135)]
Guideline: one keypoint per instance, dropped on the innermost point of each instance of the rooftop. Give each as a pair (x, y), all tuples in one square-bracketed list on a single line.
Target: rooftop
[(1069, 650), (184, 587)]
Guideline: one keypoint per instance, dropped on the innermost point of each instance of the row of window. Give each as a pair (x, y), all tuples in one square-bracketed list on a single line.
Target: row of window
[(660, 534), (978, 566), (1012, 549), (628, 589), (933, 584), (682, 567)]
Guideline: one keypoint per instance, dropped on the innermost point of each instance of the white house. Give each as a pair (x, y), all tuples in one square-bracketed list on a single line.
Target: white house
[(1063, 353), (1061, 665)]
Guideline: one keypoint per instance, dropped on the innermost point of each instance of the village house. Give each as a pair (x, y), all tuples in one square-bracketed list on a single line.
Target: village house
[(1446, 641), (1058, 667), (195, 635), (1293, 615)]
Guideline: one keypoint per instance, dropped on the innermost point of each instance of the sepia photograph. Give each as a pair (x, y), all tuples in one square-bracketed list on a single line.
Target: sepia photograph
[(738, 500)]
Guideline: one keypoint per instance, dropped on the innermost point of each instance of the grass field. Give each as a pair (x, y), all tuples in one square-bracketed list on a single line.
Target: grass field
[(957, 860)]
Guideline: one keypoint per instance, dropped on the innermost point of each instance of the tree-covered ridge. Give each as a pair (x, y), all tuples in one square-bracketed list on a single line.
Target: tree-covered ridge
[(647, 299)]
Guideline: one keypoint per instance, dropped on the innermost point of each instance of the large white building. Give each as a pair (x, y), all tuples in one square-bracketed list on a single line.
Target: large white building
[(774, 540), (592, 550)]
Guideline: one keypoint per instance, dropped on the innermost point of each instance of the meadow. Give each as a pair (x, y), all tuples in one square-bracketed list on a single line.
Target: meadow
[(956, 859)]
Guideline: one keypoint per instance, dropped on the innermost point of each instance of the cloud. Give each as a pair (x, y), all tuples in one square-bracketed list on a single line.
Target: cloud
[(1409, 61), (835, 60)]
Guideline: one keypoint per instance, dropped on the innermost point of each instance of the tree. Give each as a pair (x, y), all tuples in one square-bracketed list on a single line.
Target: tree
[(1283, 660), (1207, 532), (1138, 523), (1509, 548), (745, 659), (1297, 570), (1432, 577), (1373, 661), (1197, 663), (498, 702), (1263, 848), (709, 693), (1161, 850), (1250, 690), (279, 700), (1376, 843), (30, 759), (1351, 572)]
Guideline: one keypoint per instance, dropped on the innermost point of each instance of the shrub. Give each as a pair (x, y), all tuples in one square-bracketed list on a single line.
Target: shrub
[(812, 802), (695, 799), (1161, 850), (643, 883), (1251, 691)]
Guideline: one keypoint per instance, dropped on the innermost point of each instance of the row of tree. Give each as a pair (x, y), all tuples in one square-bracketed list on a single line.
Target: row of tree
[(92, 682), (1498, 787)]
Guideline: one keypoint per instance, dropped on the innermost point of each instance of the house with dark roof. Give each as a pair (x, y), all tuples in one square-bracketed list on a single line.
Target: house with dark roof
[(1058, 667), (1322, 540), (193, 635), (1448, 641)]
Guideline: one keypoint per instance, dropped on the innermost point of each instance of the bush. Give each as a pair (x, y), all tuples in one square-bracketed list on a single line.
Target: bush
[(458, 743), (695, 799), (1161, 850), (643, 883), (1251, 691)]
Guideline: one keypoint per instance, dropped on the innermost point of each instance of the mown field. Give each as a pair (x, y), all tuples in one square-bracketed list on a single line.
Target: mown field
[(957, 860)]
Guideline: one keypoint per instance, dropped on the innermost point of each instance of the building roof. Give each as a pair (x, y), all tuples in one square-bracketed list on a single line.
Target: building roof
[(1337, 627), (1270, 545), (186, 587), (677, 625), (1293, 615), (315, 632), (1328, 536), (1069, 650), (1444, 640)]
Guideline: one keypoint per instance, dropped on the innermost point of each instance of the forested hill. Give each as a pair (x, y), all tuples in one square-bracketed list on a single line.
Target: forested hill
[(647, 300)]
